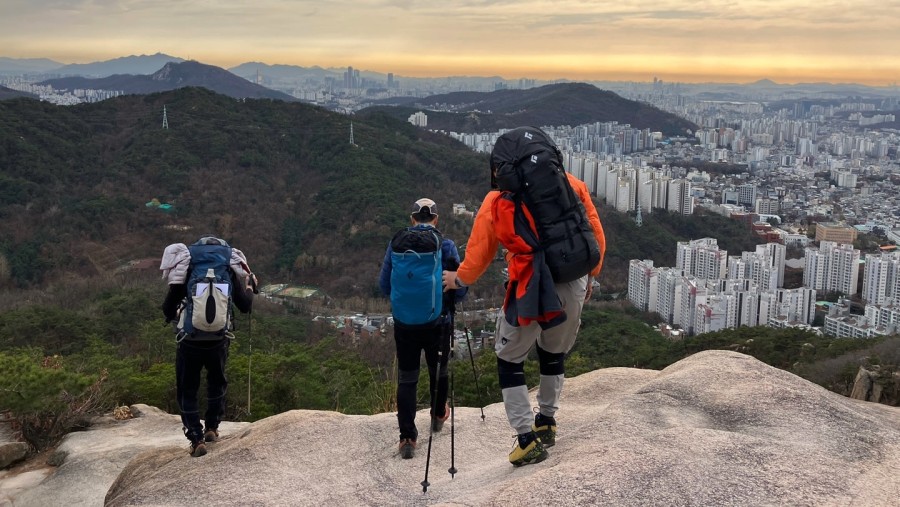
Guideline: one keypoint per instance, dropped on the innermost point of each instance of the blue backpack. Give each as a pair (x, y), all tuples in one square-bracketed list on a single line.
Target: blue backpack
[(207, 311), (416, 291)]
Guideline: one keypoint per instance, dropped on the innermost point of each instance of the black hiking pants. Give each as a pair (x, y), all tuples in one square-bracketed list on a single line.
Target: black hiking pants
[(190, 359), (411, 342)]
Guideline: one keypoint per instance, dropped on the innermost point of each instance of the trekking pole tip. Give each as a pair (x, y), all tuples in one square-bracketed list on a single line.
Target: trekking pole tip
[(452, 471), (425, 485)]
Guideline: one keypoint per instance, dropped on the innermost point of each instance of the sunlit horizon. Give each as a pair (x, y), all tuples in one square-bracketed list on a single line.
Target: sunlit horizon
[(789, 42)]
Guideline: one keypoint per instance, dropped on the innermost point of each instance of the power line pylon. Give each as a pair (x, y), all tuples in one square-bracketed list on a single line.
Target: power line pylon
[(165, 119)]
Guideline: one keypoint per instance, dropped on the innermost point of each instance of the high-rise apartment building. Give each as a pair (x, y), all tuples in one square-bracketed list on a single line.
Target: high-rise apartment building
[(833, 267), (668, 294), (643, 285), (701, 258), (747, 195), (693, 295), (418, 119), (680, 198), (881, 279)]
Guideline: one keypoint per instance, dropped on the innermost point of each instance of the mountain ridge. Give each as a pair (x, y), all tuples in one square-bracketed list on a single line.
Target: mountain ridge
[(131, 64), (172, 76), (555, 104)]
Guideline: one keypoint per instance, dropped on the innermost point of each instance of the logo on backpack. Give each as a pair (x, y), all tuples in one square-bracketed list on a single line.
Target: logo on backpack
[(416, 291), (561, 224), (207, 308)]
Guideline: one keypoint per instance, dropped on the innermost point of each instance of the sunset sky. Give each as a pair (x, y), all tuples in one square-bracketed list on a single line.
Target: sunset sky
[(788, 41)]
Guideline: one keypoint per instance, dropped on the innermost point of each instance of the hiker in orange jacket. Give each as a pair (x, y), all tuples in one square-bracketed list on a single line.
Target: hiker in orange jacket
[(514, 341)]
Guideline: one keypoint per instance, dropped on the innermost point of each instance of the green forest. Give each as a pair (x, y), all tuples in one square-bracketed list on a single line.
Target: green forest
[(96, 345)]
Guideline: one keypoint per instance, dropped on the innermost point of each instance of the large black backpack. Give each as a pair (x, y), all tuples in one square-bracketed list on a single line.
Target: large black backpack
[(527, 163)]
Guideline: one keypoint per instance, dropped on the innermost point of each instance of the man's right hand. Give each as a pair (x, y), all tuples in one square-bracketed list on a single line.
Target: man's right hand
[(449, 281)]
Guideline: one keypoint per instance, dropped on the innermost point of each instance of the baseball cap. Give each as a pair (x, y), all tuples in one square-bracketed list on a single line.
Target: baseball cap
[(424, 206)]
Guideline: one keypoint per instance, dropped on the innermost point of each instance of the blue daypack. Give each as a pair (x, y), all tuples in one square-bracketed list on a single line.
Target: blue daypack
[(207, 312), (416, 290)]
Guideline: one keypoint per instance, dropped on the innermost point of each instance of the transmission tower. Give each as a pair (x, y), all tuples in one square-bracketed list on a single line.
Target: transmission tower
[(165, 119), (351, 135)]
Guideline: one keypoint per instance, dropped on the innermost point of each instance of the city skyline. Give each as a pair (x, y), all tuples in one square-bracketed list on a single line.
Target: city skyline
[(788, 41)]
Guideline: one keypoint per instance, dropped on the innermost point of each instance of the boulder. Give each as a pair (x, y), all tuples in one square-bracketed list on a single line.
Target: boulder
[(12, 452), (717, 428)]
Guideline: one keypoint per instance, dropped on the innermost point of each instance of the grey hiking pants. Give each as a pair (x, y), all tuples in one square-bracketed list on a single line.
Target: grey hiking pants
[(512, 347)]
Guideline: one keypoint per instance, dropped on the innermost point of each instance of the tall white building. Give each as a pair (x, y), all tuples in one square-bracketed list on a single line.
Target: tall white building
[(668, 294), (661, 191), (881, 279), (680, 199), (643, 285), (716, 314), (624, 201), (418, 119), (747, 195), (701, 258), (792, 305), (693, 294), (833, 267)]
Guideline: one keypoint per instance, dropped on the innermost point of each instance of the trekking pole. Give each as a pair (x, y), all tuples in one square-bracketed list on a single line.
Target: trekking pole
[(472, 359), (255, 289), (452, 468), (250, 358), (437, 373)]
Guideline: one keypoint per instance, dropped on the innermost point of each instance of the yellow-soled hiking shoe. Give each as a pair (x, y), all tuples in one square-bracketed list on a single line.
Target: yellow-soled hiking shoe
[(532, 452), (545, 429)]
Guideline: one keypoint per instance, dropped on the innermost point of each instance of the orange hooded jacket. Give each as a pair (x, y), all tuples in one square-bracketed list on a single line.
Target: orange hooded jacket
[(482, 244)]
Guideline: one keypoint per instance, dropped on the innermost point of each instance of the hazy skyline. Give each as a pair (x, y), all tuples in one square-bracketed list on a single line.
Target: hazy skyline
[(788, 41)]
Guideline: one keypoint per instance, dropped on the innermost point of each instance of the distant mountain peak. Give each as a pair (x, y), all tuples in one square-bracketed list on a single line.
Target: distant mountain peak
[(176, 75)]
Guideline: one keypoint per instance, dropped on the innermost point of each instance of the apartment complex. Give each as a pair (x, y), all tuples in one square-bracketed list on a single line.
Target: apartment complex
[(708, 290)]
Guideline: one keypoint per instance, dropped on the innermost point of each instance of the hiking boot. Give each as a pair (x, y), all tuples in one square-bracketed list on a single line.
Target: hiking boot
[(545, 429), (528, 449), (211, 435), (407, 448), (437, 423), (198, 449)]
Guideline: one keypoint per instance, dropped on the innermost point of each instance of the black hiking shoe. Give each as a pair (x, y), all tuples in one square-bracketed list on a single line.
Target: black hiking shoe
[(198, 449), (528, 449), (211, 435), (437, 423), (545, 429), (407, 448)]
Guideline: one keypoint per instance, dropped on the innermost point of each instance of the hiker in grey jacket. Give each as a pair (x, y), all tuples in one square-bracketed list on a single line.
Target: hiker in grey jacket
[(197, 348)]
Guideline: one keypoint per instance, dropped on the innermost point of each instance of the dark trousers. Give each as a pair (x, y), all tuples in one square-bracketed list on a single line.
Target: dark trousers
[(410, 344), (190, 359)]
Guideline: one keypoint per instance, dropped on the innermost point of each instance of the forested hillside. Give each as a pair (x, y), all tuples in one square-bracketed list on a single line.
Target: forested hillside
[(557, 104), (280, 181)]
